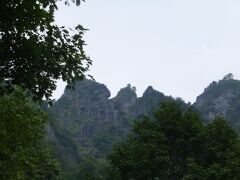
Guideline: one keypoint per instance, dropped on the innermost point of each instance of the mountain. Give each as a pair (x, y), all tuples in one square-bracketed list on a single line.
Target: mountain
[(88, 115), (87, 112), (86, 122), (221, 98)]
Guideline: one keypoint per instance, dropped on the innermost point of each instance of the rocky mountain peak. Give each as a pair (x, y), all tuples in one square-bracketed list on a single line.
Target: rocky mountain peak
[(228, 76), (149, 91), (221, 98), (87, 123), (87, 89), (126, 95)]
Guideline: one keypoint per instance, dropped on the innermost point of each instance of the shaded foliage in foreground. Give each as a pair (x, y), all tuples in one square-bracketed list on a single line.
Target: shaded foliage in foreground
[(23, 152), (34, 51)]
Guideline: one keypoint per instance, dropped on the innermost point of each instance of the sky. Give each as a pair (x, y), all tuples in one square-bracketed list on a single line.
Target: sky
[(176, 46)]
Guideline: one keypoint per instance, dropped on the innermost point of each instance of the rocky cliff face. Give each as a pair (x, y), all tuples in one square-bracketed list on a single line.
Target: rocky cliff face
[(148, 103), (125, 98), (86, 112), (221, 98), (87, 122), (94, 121)]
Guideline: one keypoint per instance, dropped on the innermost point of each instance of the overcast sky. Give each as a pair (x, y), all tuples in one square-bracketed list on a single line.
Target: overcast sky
[(177, 46)]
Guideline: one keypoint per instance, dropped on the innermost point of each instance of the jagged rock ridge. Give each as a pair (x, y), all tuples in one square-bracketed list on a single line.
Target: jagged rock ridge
[(94, 121), (87, 122), (221, 98)]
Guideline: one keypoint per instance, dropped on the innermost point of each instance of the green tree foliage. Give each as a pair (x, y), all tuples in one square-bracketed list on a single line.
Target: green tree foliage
[(92, 169), (141, 150), (78, 2), (222, 154), (23, 154), (34, 51), (176, 145)]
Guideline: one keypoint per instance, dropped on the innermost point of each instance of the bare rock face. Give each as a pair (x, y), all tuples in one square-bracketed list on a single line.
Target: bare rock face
[(94, 121), (125, 98), (221, 98), (149, 102), (85, 110)]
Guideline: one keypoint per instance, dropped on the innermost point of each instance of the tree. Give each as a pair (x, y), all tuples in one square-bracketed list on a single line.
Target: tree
[(220, 157), (78, 2), (159, 148), (34, 51), (140, 157), (23, 154), (176, 145), (183, 132), (222, 154), (92, 169)]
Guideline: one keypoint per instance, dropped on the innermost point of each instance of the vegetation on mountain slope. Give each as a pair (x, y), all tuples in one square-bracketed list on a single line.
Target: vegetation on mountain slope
[(175, 144), (94, 123)]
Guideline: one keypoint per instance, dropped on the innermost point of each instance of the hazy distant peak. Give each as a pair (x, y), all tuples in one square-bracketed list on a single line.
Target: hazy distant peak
[(221, 98), (228, 76), (149, 91), (87, 88), (128, 92)]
